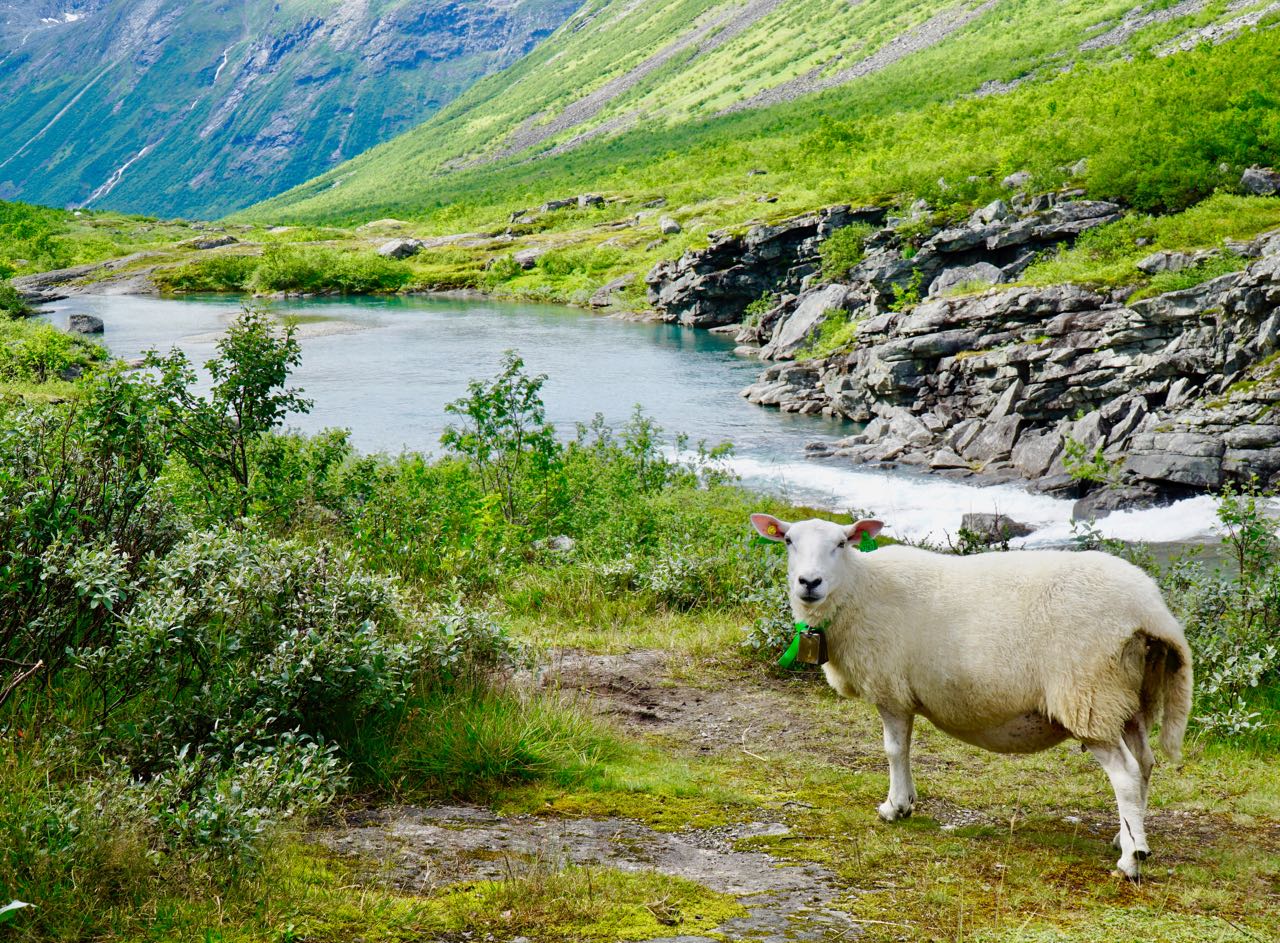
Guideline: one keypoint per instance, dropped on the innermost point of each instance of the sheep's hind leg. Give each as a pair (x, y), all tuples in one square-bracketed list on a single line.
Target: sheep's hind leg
[(1125, 773), (897, 745), (1135, 738)]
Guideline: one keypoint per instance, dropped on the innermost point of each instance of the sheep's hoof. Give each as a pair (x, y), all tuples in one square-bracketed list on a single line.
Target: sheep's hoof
[(889, 812), (1142, 854), (1130, 869)]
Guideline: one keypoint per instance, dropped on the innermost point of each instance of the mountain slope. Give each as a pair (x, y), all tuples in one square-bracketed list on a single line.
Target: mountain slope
[(175, 108), (624, 82)]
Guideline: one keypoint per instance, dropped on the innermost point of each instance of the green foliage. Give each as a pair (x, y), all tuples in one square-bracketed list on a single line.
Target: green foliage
[(506, 438), (218, 272), (32, 352), (78, 516), (842, 250), (837, 332), (1193, 275), (1232, 618), (317, 269), (1107, 256), (216, 434), (907, 296), (12, 304), (1082, 464), (757, 309)]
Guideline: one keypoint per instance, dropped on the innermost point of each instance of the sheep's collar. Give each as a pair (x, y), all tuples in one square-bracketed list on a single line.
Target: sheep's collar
[(809, 644)]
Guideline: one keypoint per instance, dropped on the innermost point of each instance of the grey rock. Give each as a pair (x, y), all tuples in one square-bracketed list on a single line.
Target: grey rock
[(995, 527), (947, 458), (1166, 261), (995, 211), (400, 248), (1098, 504), (980, 273), (212, 242), (84, 324), (1016, 180), (589, 199), (528, 258), (607, 294), (668, 226), (996, 440), (1035, 452), (1261, 181), (803, 323)]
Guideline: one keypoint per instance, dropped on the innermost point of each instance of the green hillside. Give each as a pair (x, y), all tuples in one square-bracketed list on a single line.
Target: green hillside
[(837, 101), (194, 109)]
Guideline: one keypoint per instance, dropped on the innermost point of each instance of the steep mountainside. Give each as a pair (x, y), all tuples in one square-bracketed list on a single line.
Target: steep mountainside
[(626, 82), (197, 109)]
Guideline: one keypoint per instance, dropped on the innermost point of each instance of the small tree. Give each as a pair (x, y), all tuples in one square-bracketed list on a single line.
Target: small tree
[(505, 434), (215, 435)]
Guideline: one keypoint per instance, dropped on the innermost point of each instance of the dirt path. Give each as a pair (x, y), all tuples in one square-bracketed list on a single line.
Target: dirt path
[(646, 693)]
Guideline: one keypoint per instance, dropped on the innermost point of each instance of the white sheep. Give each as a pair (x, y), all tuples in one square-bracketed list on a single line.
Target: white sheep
[(1012, 652)]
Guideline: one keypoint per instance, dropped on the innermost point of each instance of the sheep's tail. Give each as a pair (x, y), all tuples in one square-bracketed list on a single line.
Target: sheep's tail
[(1167, 684)]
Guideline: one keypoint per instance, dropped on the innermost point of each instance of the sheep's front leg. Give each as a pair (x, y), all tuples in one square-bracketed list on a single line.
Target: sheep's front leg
[(897, 745), (1125, 773)]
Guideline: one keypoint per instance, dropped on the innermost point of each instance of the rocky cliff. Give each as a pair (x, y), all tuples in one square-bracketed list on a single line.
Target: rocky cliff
[(1120, 403)]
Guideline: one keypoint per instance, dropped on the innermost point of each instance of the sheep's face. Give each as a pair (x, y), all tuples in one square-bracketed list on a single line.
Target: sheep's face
[(818, 554)]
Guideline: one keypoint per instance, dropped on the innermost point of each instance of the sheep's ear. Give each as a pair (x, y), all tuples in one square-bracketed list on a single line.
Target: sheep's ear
[(864, 527), (768, 527)]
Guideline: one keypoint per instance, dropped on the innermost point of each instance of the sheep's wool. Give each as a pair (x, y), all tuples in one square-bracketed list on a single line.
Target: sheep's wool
[(1082, 638)]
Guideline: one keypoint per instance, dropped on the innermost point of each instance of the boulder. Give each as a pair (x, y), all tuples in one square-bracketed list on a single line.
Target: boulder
[(1158, 262), (400, 248), (1261, 181), (1036, 451), (589, 199), (668, 226), (804, 322), (995, 528), (607, 294), (84, 324), (1016, 180), (211, 242), (980, 273), (528, 258), (1098, 504)]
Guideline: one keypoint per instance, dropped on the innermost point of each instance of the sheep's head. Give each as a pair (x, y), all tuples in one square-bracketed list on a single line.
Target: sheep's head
[(818, 554)]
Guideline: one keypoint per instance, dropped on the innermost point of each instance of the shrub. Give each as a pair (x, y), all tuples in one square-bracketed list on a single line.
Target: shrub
[(12, 304), (39, 353), (218, 272), (215, 435), (313, 269), (842, 250)]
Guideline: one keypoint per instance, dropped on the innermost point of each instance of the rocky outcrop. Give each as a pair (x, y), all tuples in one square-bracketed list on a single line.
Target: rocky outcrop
[(84, 324), (713, 286), (1161, 397)]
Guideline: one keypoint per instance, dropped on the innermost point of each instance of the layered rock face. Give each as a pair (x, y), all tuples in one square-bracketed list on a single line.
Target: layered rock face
[(1067, 387), (712, 287)]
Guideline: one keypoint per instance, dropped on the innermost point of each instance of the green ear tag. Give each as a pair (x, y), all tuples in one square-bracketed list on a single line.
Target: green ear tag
[(789, 656), (867, 543)]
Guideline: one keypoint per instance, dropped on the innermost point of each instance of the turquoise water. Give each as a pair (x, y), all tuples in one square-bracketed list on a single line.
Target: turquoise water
[(385, 368)]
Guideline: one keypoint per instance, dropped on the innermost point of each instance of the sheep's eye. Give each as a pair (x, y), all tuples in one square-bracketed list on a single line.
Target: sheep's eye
[(842, 544), (787, 541)]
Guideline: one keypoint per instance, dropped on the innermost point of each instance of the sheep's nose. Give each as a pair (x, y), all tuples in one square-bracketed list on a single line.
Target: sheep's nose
[(810, 583)]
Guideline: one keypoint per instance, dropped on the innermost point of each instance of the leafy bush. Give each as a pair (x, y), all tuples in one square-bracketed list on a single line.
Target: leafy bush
[(215, 435), (1232, 618), (11, 303), (316, 269), (842, 250), (79, 515), (217, 272), (39, 353)]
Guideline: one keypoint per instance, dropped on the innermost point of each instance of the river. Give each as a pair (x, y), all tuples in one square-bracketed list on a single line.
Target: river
[(385, 368)]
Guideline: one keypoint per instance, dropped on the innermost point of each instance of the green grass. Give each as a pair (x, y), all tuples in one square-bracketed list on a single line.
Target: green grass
[(1108, 256)]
